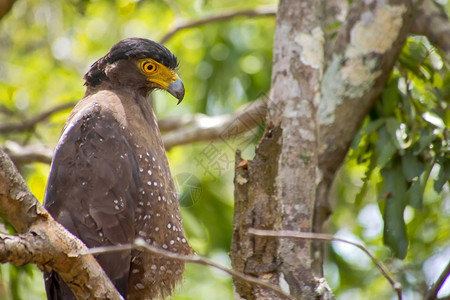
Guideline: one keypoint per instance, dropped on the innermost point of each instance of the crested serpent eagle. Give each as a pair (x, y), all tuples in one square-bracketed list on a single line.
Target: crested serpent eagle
[(110, 181)]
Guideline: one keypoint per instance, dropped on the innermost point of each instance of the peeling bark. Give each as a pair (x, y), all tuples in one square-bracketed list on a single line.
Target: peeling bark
[(256, 207)]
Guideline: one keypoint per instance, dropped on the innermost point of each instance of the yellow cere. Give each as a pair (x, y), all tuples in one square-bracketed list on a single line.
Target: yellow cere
[(157, 73)]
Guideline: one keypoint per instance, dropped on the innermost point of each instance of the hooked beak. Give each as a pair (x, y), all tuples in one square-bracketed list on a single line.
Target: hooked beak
[(176, 89)]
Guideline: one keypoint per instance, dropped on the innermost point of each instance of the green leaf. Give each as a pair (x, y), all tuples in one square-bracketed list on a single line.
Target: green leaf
[(397, 133), (366, 180), (417, 51), (446, 118), (361, 145), (411, 166), (394, 191), (426, 137), (394, 234), (395, 182), (414, 195), (373, 125), (384, 148), (390, 97), (443, 175), (434, 119)]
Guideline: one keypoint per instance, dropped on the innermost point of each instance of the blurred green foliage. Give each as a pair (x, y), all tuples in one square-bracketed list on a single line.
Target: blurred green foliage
[(392, 189)]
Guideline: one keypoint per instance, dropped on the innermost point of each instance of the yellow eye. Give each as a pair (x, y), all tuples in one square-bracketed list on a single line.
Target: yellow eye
[(148, 67)]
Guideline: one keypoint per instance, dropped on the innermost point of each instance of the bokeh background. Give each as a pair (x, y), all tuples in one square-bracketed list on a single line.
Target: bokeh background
[(46, 46)]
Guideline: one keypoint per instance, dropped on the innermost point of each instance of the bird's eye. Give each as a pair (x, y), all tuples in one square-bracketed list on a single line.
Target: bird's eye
[(148, 67)]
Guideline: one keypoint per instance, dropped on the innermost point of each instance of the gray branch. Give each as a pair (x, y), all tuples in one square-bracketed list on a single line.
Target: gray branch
[(21, 155), (31, 123), (203, 128)]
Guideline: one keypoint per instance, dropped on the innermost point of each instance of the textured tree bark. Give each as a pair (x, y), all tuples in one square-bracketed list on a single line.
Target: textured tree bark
[(277, 190), (297, 70), (287, 185), (256, 207)]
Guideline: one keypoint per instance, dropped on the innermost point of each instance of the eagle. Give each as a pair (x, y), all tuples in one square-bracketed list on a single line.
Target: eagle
[(110, 181)]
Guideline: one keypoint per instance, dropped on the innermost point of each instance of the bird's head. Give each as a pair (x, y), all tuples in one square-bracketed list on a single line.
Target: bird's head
[(140, 64)]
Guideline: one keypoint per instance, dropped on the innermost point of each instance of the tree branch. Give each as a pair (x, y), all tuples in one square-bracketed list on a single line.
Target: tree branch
[(21, 155), (140, 244), (328, 238), (5, 7), (433, 23), (204, 128), (44, 241), (434, 289), (28, 125), (251, 13), (180, 130)]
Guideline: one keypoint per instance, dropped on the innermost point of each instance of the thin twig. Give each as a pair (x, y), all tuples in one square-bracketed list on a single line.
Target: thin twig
[(257, 12), (328, 238), (31, 123), (434, 289), (140, 243)]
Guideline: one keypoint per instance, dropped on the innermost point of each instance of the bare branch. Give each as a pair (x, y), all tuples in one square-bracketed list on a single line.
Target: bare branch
[(141, 244), (175, 122), (204, 128), (180, 130), (434, 24), (251, 13), (31, 123), (328, 238), (433, 291), (5, 7), (44, 241), (21, 155)]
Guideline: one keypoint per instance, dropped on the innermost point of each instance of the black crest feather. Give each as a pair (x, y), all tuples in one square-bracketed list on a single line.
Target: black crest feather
[(130, 48)]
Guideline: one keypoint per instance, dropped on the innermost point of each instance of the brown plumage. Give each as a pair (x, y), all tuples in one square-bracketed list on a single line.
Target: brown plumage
[(110, 181)]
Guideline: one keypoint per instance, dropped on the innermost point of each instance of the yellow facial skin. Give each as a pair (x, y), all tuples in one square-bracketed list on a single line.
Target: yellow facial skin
[(157, 73)]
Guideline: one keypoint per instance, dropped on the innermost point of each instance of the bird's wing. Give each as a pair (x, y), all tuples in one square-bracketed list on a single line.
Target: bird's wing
[(93, 184)]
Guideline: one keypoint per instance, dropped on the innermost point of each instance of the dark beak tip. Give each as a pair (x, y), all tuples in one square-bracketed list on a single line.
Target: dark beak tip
[(176, 89)]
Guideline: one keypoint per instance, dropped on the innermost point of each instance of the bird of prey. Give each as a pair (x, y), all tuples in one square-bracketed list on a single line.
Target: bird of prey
[(110, 181)]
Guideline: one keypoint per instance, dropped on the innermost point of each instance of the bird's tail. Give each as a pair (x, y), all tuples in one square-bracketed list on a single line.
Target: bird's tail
[(56, 288)]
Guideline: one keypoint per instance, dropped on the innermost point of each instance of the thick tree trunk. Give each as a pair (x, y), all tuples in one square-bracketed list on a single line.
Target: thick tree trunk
[(278, 188), (311, 122)]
